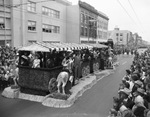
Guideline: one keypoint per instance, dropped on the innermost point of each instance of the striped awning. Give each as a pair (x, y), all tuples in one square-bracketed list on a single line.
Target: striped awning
[(65, 46), (98, 45), (34, 47), (46, 46)]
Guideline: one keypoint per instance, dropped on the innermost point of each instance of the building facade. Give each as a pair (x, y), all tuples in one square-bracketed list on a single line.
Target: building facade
[(102, 27), (120, 37), (5, 22), (86, 24), (28, 21)]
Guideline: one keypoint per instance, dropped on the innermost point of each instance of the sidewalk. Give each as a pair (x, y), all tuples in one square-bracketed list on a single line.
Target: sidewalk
[(84, 84)]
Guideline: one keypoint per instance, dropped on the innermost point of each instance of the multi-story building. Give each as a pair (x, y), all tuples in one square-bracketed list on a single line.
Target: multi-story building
[(5, 22), (102, 27), (26, 21), (120, 37), (29, 21), (137, 39), (85, 24)]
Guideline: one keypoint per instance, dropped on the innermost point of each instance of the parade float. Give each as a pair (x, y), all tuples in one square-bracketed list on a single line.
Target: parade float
[(37, 84)]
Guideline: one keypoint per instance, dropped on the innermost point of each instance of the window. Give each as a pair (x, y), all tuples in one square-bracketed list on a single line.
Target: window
[(50, 12), (121, 34), (82, 18), (117, 34), (31, 6), (86, 31), (32, 25), (121, 39), (50, 29), (57, 29), (86, 19), (31, 42), (100, 34), (2, 23), (82, 31)]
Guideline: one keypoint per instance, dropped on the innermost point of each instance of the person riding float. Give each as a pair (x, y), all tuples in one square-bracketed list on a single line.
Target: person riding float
[(66, 74), (68, 65)]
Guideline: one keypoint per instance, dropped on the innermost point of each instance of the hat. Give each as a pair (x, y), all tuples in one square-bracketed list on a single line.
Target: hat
[(134, 77), (128, 113), (113, 111), (139, 99), (125, 91), (128, 71), (139, 111), (125, 78), (140, 90), (123, 108), (23, 56), (138, 82)]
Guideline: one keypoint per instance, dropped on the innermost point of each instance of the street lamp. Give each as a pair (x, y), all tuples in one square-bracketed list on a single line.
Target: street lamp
[(90, 28)]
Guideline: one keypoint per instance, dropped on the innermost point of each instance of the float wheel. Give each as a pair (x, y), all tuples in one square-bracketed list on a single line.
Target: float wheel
[(83, 71), (52, 85)]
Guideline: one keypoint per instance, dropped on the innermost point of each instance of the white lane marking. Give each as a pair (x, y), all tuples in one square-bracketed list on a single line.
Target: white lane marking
[(124, 62)]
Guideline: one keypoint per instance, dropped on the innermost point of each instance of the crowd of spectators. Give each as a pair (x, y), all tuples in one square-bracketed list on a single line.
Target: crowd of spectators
[(8, 66), (134, 91)]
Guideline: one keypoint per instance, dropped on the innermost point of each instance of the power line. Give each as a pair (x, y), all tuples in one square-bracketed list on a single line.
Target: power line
[(135, 14), (126, 11)]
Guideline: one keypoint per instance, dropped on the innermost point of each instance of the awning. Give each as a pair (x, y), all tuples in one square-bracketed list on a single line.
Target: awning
[(34, 47), (98, 45), (65, 46), (102, 40), (46, 47)]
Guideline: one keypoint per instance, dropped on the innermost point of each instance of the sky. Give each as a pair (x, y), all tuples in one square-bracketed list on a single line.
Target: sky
[(132, 15)]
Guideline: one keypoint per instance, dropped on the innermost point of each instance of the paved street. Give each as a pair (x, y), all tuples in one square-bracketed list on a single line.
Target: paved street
[(95, 102)]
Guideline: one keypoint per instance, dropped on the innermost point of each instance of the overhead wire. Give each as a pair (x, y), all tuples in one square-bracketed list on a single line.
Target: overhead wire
[(126, 11), (136, 15), (129, 14)]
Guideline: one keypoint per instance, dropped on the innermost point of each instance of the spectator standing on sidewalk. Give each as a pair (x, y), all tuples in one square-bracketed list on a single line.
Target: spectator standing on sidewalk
[(102, 60), (77, 66)]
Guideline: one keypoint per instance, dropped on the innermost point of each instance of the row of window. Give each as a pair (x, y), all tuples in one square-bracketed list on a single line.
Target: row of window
[(102, 34), (2, 23), (45, 11), (119, 39), (84, 32), (50, 28), (117, 34), (86, 20), (100, 24), (2, 26), (50, 12), (45, 28)]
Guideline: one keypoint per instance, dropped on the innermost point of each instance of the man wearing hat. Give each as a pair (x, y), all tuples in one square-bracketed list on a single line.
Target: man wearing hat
[(139, 97), (137, 84), (126, 99)]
